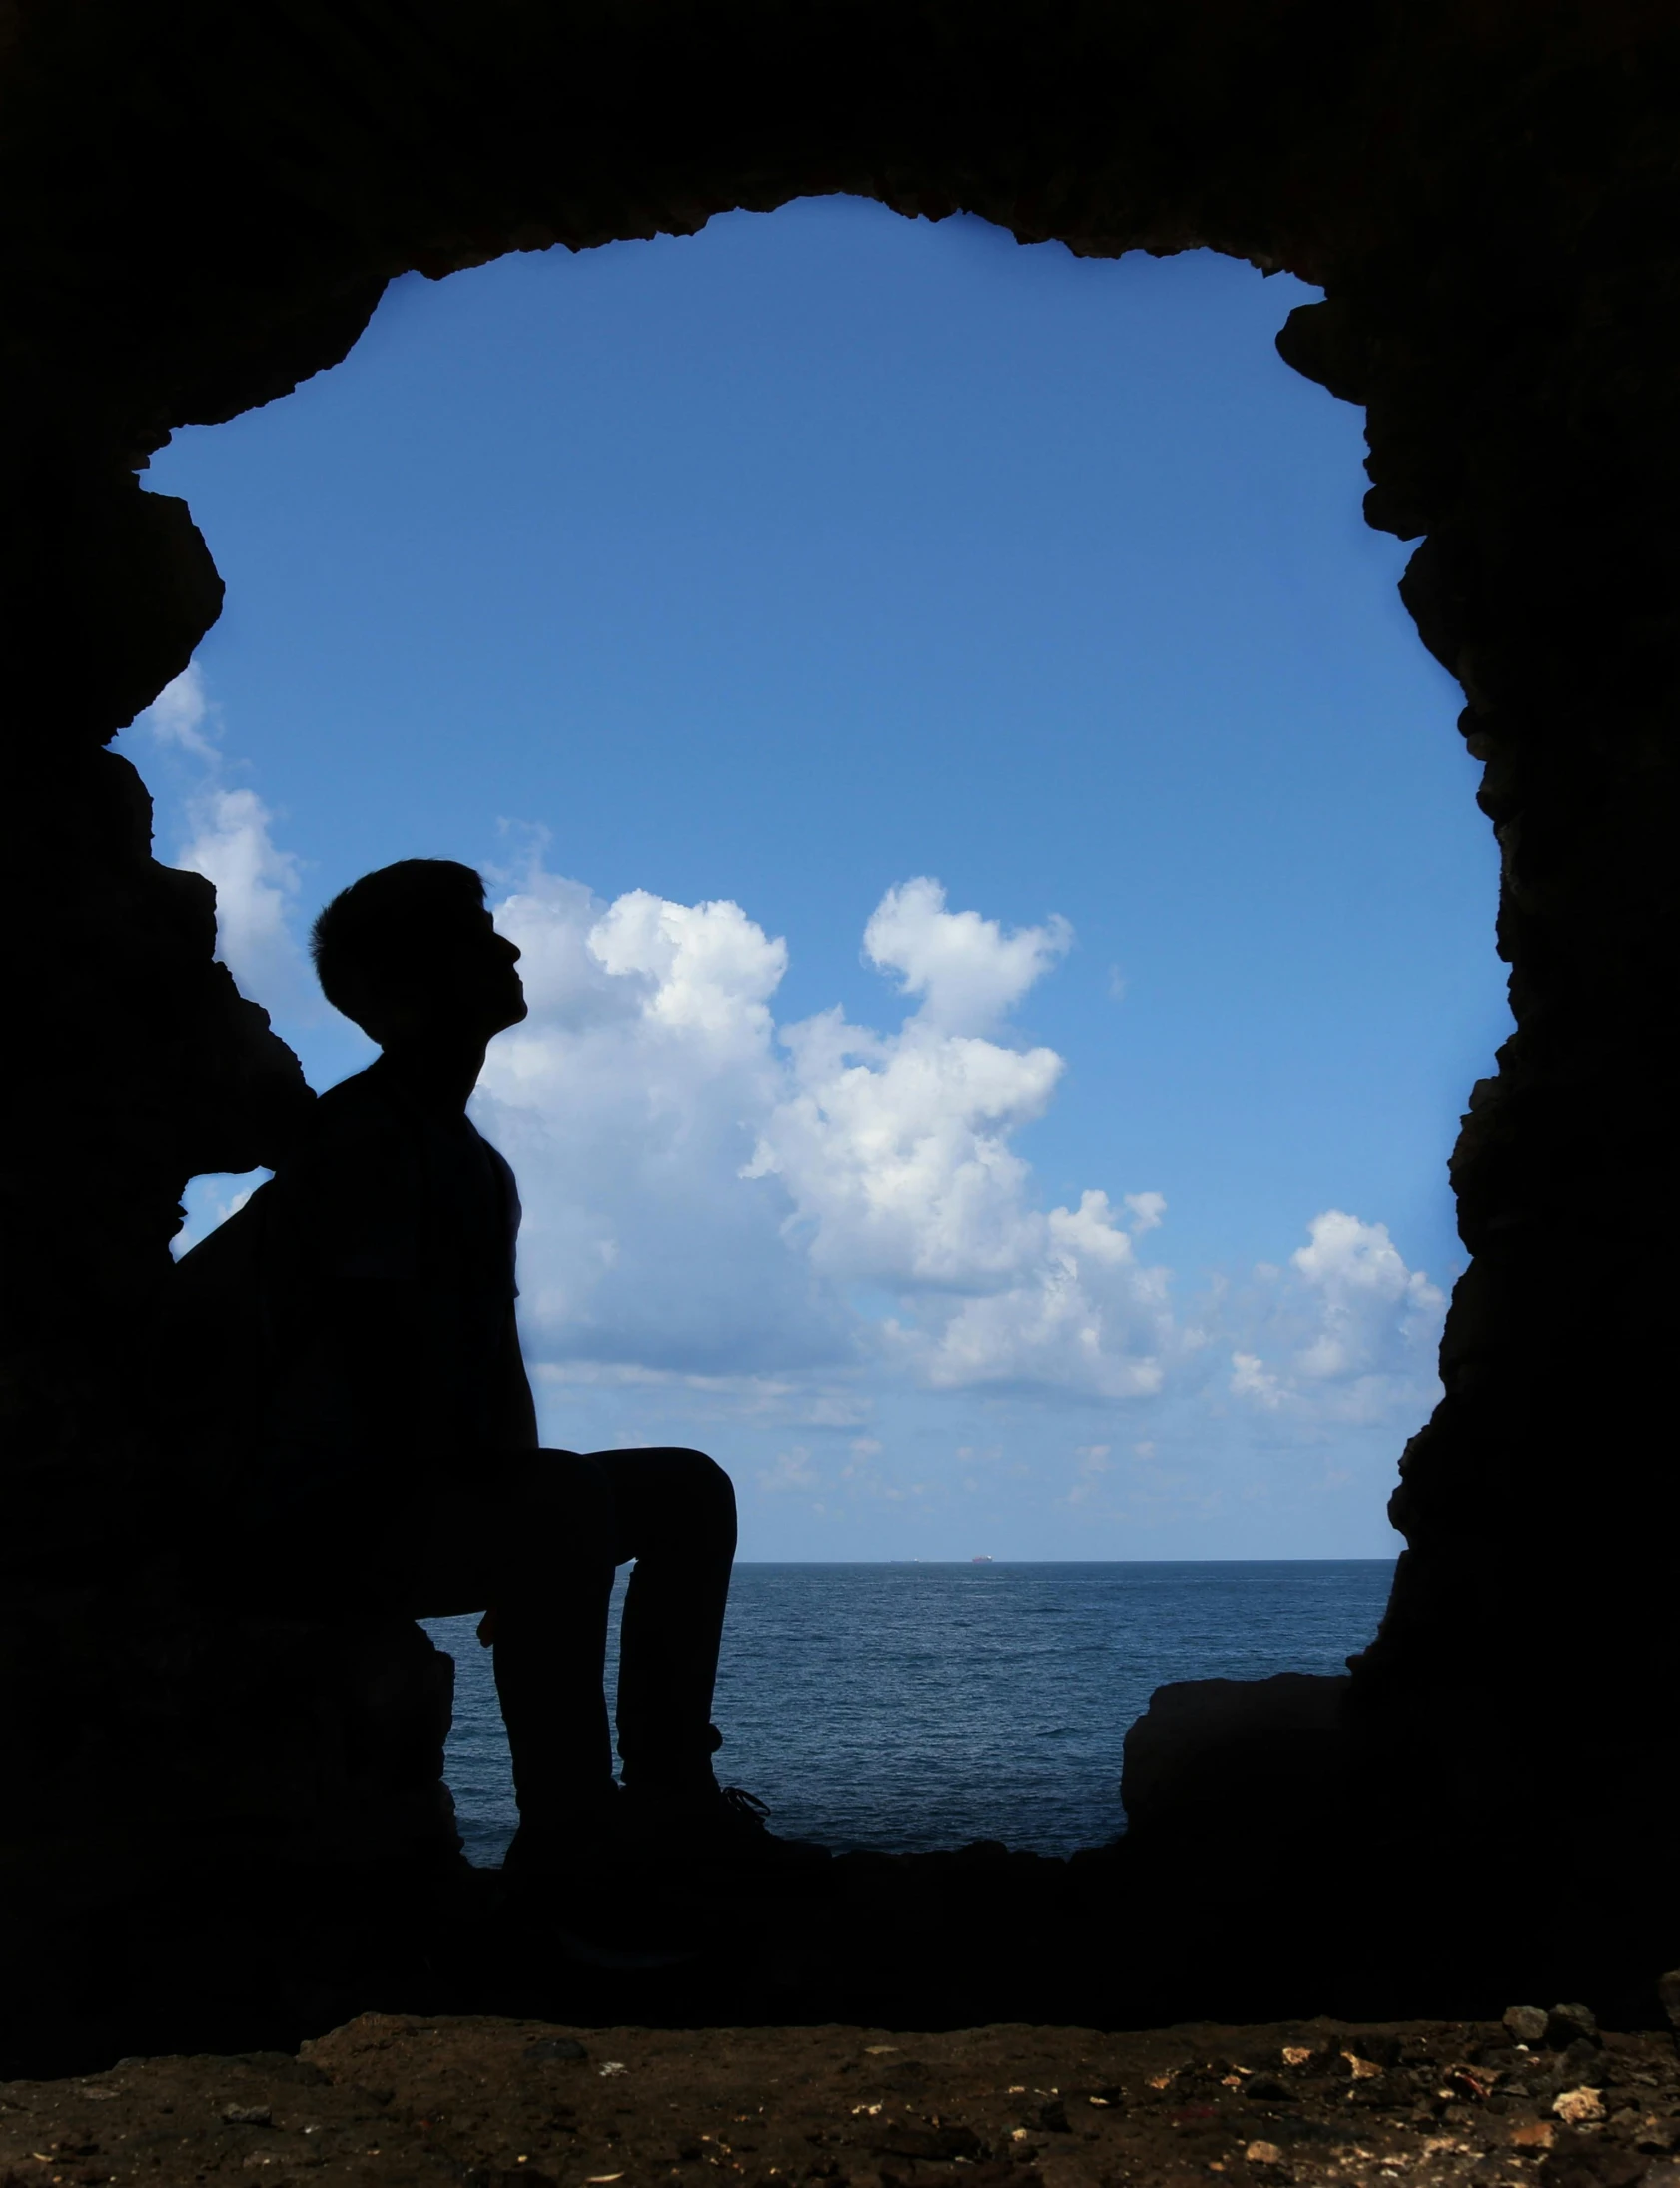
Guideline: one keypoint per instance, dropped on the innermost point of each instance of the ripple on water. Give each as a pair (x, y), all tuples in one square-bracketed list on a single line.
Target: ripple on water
[(910, 1706)]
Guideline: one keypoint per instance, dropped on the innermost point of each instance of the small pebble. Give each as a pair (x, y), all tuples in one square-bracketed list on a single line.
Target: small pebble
[(1574, 2106), (1567, 2024)]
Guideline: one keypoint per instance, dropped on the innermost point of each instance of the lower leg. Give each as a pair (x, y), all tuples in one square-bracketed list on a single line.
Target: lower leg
[(551, 1600), (675, 1513)]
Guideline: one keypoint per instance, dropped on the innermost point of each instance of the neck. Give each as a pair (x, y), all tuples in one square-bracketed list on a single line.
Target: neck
[(440, 1073)]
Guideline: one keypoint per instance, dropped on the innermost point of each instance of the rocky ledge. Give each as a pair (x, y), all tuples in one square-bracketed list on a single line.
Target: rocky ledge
[(493, 2103)]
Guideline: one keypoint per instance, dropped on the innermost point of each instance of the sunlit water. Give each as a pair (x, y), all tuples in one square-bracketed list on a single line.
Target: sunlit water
[(908, 1706)]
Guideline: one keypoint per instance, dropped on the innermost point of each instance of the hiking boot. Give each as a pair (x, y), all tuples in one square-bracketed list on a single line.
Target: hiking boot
[(570, 1890), (559, 1845), (711, 1824), (601, 1920)]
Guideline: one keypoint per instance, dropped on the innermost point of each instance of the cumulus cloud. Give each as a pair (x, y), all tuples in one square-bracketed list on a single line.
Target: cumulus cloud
[(1251, 1378), (893, 1149), (180, 714), (967, 970), (1082, 1314), (710, 1193), (894, 1152), (628, 1103), (255, 885), (1346, 1332), (1373, 1311), (232, 844)]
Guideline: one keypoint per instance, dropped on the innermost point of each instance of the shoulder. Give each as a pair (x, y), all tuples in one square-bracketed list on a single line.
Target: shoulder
[(355, 1126), (353, 1108), (344, 1200)]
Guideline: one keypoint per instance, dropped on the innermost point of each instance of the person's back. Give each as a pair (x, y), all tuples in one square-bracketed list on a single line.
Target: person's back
[(365, 1294)]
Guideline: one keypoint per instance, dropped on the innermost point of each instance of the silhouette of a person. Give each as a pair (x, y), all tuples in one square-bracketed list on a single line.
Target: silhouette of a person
[(370, 1394)]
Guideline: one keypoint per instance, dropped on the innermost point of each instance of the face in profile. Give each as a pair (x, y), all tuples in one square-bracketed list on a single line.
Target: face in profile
[(476, 989)]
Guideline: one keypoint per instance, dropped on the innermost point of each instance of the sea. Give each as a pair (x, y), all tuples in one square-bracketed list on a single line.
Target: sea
[(912, 1706)]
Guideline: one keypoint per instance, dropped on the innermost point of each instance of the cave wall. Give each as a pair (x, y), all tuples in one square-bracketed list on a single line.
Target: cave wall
[(200, 204)]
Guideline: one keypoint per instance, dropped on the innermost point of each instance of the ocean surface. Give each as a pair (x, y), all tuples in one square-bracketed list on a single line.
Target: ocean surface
[(912, 1706)]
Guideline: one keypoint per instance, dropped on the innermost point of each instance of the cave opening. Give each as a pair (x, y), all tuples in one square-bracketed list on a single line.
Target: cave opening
[(1040, 572)]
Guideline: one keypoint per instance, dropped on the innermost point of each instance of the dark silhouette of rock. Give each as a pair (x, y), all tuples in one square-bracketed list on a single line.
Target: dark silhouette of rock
[(202, 206), (1212, 1759)]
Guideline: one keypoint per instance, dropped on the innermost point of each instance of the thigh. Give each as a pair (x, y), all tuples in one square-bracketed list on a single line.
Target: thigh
[(666, 1496), (516, 1525)]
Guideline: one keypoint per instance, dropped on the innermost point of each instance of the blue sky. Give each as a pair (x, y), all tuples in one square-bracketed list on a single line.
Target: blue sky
[(721, 596)]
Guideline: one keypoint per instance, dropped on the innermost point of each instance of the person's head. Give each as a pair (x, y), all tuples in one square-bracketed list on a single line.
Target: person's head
[(411, 954)]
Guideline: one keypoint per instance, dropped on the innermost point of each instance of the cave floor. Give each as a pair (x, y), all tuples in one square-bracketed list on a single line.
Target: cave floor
[(489, 2103)]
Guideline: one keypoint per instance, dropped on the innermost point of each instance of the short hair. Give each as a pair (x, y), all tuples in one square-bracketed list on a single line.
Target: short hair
[(374, 937)]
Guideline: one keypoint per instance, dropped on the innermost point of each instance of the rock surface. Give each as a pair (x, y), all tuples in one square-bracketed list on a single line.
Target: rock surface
[(1213, 1757), (488, 2103)]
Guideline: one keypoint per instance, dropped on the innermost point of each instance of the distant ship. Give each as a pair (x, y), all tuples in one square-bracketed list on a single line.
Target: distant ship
[(982, 1559)]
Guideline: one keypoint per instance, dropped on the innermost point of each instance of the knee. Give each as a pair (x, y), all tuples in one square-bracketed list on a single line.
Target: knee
[(707, 1492)]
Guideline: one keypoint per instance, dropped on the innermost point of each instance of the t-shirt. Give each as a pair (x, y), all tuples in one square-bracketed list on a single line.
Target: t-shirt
[(358, 1312)]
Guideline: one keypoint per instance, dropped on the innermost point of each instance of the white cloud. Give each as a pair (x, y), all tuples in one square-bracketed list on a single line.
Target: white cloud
[(709, 1194), (255, 885), (704, 971), (179, 715), (967, 971), (233, 847), (893, 1149), (628, 1103), (714, 1197), (1374, 1311), (1083, 1315), (1348, 1332), (1251, 1377)]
